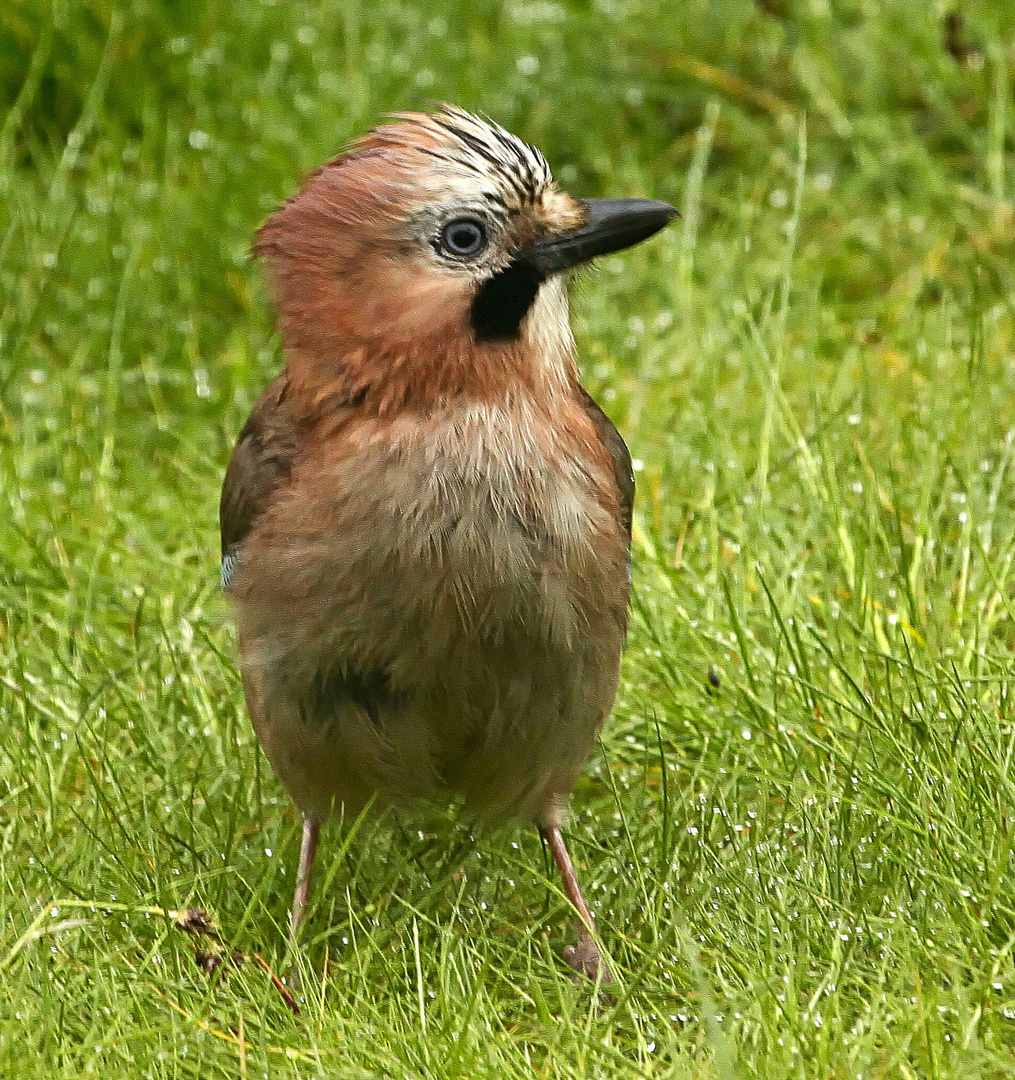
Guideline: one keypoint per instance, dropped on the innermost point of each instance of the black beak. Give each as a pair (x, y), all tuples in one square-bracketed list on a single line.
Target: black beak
[(613, 224)]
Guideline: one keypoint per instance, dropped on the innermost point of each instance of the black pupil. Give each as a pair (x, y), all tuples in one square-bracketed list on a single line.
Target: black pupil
[(464, 237)]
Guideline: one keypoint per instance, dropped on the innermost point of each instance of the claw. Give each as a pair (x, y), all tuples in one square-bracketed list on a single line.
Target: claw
[(585, 958)]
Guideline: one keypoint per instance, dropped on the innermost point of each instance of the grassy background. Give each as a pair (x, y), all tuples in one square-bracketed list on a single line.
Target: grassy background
[(806, 871)]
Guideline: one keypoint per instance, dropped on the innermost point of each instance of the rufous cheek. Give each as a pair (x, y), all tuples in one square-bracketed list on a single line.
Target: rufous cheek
[(405, 301)]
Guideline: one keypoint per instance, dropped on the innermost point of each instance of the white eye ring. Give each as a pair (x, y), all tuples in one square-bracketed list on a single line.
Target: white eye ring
[(463, 237)]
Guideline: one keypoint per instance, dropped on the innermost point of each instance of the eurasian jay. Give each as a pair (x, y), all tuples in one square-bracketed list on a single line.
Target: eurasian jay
[(426, 521)]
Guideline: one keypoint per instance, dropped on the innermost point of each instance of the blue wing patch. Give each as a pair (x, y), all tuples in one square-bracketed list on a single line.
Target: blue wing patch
[(228, 566)]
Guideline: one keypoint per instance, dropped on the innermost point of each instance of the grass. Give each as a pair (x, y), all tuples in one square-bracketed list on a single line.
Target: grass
[(799, 833)]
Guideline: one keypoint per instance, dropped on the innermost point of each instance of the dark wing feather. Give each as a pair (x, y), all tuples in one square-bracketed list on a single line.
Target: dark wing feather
[(619, 455), (260, 465)]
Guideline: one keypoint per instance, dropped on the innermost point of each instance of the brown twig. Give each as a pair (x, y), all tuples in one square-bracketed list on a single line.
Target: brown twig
[(210, 950), (287, 994)]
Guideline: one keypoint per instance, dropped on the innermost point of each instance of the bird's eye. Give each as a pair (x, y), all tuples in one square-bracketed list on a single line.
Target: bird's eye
[(463, 236)]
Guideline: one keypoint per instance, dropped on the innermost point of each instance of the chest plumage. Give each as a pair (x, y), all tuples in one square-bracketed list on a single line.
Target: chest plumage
[(444, 602)]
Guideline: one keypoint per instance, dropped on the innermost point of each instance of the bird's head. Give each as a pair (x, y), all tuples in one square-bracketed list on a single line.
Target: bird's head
[(436, 240)]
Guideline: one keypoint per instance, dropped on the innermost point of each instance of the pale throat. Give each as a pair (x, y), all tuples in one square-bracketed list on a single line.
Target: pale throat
[(546, 334)]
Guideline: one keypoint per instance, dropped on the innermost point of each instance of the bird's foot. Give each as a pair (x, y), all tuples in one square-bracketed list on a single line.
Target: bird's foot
[(586, 959)]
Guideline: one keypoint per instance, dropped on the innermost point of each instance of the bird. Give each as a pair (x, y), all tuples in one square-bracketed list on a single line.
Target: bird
[(426, 519)]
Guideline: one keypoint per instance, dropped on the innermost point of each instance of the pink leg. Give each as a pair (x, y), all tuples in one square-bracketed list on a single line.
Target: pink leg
[(311, 832), (308, 848), (583, 957)]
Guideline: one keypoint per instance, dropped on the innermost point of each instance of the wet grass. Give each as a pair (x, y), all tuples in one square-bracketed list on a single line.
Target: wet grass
[(798, 835)]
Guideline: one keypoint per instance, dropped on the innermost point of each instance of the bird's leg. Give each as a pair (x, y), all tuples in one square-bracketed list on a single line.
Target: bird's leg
[(583, 957), (308, 849)]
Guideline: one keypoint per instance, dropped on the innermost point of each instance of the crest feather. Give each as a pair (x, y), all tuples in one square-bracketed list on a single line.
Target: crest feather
[(463, 140)]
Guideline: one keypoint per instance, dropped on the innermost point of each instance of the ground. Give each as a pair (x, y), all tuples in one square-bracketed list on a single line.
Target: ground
[(798, 831)]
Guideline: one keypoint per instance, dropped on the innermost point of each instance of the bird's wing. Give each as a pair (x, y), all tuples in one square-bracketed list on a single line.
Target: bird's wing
[(619, 455), (260, 465)]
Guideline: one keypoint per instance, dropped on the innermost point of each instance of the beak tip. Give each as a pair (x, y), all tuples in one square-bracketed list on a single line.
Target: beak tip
[(666, 212)]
